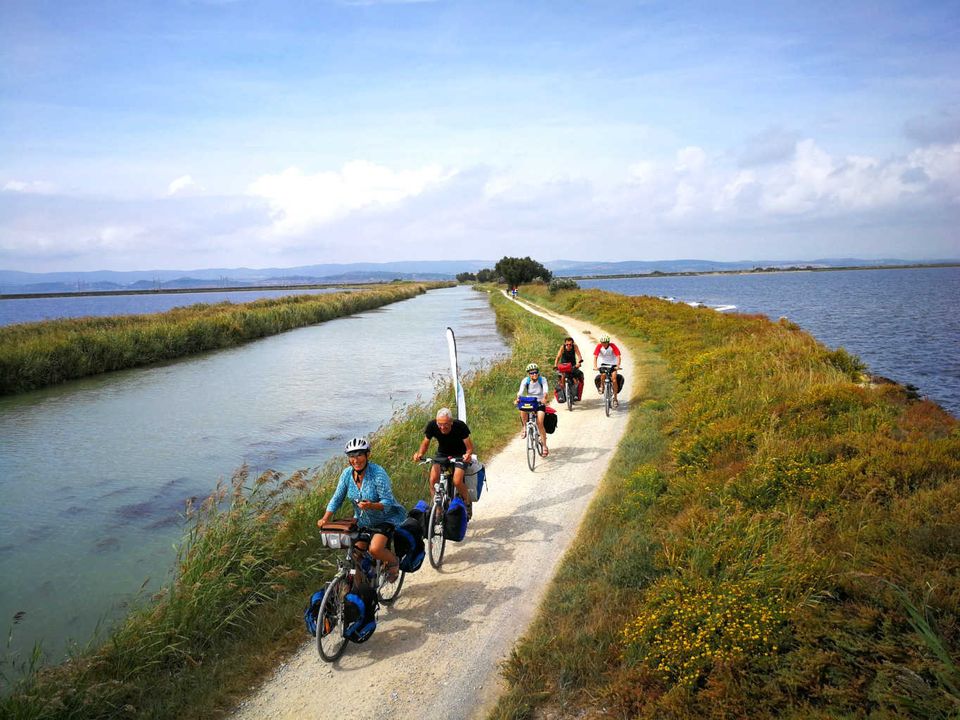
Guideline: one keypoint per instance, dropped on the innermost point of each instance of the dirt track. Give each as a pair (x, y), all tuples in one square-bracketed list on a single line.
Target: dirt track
[(436, 652)]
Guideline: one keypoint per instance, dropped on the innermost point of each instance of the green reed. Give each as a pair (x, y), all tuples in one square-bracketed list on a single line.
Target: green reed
[(247, 564), (35, 355), (780, 536)]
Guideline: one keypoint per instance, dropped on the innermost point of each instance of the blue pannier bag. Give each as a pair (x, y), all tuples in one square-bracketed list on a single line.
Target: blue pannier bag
[(360, 614), (455, 521), (421, 511), (408, 544), (312, 610)]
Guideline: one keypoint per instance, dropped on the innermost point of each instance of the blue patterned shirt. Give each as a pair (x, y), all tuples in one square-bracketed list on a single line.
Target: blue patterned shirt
[(376, 487)]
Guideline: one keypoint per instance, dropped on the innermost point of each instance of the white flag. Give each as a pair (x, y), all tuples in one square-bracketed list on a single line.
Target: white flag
[(455, 372)]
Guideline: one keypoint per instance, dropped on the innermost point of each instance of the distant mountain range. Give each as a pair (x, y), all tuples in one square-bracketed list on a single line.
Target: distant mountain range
[(13, 281)]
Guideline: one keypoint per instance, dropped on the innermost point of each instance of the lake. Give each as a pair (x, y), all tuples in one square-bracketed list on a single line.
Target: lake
[(94, 473), (904, 324)]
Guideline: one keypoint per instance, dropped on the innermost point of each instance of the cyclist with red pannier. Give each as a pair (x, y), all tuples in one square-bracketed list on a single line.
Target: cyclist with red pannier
[(568, 360)]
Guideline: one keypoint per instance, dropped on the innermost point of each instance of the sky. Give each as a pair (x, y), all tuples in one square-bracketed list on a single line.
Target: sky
[(187, 134)]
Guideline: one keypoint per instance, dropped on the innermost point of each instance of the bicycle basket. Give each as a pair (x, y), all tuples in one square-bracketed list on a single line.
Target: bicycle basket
[(527, 403), (338, 534)]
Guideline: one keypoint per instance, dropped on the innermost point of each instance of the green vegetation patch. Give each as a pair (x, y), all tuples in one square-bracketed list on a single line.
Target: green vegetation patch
[(777, 537)]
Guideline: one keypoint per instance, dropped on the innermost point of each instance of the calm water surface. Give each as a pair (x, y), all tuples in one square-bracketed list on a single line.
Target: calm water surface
[(21, 310), (904, 324), (94, 473)]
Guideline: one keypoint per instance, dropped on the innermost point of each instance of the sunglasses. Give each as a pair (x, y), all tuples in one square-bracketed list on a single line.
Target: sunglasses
[(533, 372), (356, 453)]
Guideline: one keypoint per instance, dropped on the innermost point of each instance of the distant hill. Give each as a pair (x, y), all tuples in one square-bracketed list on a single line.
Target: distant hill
[(14, 281)]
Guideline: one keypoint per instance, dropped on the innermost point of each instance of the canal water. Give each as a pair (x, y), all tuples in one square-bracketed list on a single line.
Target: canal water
[(94, 473)]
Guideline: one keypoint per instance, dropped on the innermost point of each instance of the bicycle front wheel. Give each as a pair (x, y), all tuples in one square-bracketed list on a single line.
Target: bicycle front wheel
[(531, 449), (571, 390), (331, 642), (388, 591), (436, 541), (608, 399)]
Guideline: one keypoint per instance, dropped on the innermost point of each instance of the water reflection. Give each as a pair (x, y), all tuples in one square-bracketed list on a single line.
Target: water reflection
[(95, 472)]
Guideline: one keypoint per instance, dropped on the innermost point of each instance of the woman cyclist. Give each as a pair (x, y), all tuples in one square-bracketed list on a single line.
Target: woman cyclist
[(377, 512), (534, 385)]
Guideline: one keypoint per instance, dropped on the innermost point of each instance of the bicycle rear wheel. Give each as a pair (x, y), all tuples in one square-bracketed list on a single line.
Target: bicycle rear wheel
[(436, 541), (331, 642), (531, 448), (388, 592)]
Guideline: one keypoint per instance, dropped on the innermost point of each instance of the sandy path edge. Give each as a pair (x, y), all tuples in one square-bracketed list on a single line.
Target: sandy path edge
[(436, 652)]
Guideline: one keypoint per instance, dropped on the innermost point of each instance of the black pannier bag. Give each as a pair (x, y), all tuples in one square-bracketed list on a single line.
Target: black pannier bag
[(408, 544), (455, 521), (360, 613), (550, 419), (596, 381)]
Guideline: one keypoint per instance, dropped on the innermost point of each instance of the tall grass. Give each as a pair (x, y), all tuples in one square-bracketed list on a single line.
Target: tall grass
[(781, 538), (247, 565), (35, 355)]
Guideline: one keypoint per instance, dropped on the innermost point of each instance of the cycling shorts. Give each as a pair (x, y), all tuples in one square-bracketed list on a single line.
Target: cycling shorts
[(366, 533)]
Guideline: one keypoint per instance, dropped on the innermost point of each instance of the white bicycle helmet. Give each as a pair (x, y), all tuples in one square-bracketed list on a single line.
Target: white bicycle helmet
[(533, 366), (357, 443), (604, 338)]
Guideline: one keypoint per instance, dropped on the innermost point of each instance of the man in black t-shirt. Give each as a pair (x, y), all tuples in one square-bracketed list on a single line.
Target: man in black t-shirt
[(453, 441)]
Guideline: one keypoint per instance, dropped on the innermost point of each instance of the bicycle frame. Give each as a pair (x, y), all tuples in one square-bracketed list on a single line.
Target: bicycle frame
[(607, 389), (352, 571), (442, 495), (534, 444), (569, 383)]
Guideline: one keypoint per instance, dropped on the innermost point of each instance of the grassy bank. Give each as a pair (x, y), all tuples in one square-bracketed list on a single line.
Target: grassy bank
[(247, 567), (781, 539), (35, 355)]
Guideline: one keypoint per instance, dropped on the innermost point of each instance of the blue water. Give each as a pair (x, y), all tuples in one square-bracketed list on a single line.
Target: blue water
[(904, 324), (21, 310), (94, 473)]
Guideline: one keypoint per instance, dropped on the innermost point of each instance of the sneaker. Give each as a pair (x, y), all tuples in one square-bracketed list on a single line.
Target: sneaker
[(616, 403), (470, 511)]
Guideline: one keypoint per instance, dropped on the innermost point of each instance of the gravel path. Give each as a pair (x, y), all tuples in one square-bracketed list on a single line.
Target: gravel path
[(436, 651)]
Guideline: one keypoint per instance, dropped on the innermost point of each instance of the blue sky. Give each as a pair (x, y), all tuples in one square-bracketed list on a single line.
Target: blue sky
[(188, 133)]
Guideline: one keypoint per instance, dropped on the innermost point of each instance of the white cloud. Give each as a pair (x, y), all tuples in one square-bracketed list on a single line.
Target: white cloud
[(301, 202), (807, 182), (184, 183), (34, 187)]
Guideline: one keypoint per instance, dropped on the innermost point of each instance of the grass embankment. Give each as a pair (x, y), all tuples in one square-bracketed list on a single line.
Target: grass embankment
[(247, 567), (775, 538), (35, 355)]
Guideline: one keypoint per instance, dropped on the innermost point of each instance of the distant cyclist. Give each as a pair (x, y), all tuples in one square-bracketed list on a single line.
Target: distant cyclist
[(607, 355), (453, 441), (534, 385), (570, 353), (368, 486)]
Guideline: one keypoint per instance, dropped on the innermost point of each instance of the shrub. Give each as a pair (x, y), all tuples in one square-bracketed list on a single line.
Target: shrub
[(563, 284)]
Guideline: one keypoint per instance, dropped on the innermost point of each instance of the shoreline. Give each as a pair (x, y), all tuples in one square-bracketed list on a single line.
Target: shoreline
[(761, 271)]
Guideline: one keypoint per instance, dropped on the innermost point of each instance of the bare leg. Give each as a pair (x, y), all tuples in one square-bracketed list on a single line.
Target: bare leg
[(543, 432)]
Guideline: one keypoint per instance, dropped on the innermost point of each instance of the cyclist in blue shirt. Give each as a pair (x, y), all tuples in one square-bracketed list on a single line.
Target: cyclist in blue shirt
[(534, 385), (368, 486)]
